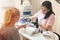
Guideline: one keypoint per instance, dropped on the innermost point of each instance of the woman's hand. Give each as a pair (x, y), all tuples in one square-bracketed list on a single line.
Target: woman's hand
[(22, 26)]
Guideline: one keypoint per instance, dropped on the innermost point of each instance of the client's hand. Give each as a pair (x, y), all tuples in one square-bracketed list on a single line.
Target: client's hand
[(22, 26)]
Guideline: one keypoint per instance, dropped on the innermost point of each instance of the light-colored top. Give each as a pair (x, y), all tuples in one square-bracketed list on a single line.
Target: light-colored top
[(49, 21)]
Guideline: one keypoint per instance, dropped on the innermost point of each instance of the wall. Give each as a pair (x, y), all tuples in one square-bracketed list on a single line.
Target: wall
[(56, 8)]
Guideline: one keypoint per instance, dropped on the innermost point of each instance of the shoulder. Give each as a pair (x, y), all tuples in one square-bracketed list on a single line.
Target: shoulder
[(52, 16), (8, 30)]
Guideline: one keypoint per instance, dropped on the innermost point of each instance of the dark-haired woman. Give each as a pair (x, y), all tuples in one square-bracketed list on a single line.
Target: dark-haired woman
[(46, 16)]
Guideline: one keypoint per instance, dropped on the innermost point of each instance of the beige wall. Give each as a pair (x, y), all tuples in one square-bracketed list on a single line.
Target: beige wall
[(56, 7), (35, 6)]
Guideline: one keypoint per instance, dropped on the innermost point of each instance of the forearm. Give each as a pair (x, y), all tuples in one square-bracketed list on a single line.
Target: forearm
[(44, 27), (19, 27), (22, 26), (32, 18), (48, 27)]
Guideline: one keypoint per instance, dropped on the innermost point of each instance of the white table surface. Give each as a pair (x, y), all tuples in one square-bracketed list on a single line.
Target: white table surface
[(21, 31), (37, 36), (33, 37)]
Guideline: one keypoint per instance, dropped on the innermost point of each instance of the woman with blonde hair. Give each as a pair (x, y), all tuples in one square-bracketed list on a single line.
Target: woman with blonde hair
[(8, 30)]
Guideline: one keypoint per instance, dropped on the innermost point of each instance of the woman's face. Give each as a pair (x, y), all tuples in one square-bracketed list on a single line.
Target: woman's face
[(44, 9)]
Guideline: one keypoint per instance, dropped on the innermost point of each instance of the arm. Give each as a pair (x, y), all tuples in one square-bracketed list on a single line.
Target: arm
[(32, 18), (48, 24), (45, 27), (22, 26), (35, 15)]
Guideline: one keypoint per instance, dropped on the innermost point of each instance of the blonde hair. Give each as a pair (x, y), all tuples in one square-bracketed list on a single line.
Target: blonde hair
[(9, 14)]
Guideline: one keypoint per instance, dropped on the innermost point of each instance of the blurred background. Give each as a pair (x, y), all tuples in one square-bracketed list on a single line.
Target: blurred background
[(4, 4)]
